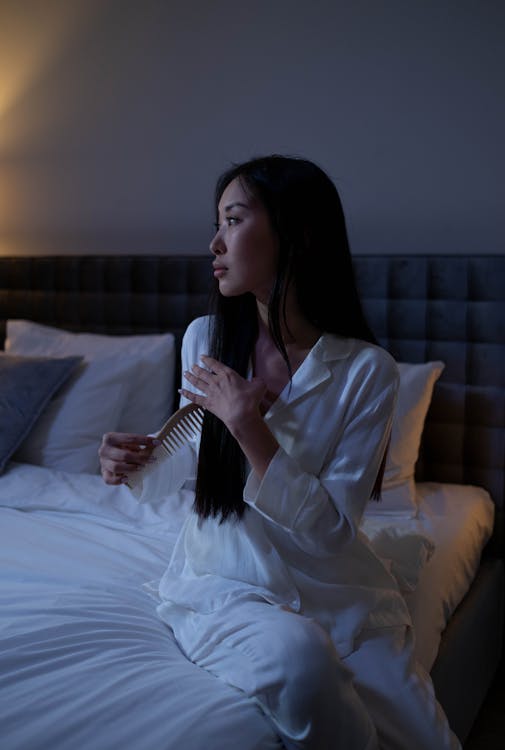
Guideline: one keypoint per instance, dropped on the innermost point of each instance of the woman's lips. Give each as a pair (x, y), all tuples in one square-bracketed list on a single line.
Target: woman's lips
[(219, 271)]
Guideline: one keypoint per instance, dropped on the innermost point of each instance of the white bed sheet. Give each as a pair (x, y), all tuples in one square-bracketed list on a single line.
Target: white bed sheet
[(84, 661), (458, 519)]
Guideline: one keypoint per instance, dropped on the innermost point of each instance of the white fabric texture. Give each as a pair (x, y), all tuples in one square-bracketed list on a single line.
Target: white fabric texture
[(151, 486), (83, 656), (414, 397), (290, 667), (151, 366), (405, 552), (414, 394), (459, 521), (398, 692), (298, 545), (257, 647), (439, 553), (67, 435), (85, 662)]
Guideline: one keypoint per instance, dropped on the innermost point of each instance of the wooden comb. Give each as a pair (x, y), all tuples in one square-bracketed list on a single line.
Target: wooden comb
[(184, 425)]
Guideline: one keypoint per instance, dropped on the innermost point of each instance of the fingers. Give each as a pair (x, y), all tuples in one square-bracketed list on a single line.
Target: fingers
[(194, 397), (130, 439), (214, 365), (123, 453), (111, 478), (199, 375)]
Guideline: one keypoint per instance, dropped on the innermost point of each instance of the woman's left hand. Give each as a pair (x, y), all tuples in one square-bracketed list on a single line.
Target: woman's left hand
[(232, 398)]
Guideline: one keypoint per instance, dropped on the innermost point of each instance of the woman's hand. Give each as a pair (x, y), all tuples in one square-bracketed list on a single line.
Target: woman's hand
[(232, 398), (236, 402), (122, 453)]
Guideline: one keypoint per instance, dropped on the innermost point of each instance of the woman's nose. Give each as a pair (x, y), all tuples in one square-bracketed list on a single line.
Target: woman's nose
[(217, 245)]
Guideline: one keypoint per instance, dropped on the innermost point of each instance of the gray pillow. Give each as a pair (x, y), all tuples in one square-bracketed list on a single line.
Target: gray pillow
[(26, 386)]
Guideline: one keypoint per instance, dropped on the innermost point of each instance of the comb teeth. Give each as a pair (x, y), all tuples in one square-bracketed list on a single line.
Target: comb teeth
[(183, 426)]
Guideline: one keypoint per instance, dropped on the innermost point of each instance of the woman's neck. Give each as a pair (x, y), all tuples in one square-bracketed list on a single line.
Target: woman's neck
[(297, 333), (268, 363)]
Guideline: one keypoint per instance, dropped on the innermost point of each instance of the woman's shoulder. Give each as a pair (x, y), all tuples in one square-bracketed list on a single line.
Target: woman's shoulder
[(198, 328), (363, 356), (195, 341), (375, 353)]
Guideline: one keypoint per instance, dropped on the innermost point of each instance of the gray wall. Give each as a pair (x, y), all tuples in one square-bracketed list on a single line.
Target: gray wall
[(117, 115)]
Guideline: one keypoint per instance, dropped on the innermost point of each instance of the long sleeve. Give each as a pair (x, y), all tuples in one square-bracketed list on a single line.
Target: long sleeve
[(298, 545), (172, 473), (322, 509)]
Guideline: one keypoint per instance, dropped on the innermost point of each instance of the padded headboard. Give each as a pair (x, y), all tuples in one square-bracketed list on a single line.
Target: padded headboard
[(421, 307), (450, 308)]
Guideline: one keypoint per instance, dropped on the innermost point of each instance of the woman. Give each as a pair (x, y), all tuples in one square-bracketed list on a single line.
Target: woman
[(271, 587)]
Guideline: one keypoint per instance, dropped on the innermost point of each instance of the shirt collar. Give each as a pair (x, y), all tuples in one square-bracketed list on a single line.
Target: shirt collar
[(330, 347), (314, 370)]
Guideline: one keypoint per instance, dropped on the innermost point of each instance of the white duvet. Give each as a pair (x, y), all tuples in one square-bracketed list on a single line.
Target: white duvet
[(457, 520), (86, 664)]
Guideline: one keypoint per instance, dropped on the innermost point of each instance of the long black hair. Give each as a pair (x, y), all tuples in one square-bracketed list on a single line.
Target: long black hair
[(306, 215)]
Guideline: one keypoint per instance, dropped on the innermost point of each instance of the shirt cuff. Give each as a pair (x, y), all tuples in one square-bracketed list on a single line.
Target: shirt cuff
[(271, 497)]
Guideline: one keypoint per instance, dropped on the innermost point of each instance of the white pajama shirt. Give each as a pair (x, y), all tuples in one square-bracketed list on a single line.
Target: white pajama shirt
[(298, 546)]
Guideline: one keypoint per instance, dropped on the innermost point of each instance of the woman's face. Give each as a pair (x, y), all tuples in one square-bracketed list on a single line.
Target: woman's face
[(245, 246)]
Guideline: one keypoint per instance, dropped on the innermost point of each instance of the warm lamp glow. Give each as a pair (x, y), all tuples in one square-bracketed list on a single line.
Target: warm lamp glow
[(32, 37)]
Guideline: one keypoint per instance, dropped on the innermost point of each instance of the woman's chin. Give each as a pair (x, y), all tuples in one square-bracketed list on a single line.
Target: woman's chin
[(230, 290)]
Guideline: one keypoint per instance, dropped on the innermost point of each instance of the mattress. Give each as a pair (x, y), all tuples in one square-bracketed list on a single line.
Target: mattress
[(84, 660), (100, 671), (456, 521)]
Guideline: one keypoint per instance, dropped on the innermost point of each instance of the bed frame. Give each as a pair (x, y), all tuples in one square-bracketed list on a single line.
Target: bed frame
[(421, 307)]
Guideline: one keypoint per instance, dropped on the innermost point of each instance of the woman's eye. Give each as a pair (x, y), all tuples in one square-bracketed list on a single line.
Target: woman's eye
[(230, 221)]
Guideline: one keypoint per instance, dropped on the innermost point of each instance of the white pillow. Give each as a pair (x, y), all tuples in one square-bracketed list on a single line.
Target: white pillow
[(68, 433), (398, 495), (404, 551), (148, 398)]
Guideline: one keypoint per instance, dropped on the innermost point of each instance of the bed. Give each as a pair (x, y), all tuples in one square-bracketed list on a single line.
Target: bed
[(84, 662)]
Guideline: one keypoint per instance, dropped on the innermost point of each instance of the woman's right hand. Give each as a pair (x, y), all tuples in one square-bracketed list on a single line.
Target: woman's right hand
[(122, 453)]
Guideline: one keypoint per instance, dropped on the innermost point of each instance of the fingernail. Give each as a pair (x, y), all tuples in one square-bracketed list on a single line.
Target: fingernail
[(156, 442)]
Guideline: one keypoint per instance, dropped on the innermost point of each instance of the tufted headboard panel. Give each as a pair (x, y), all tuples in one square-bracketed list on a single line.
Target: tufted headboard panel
[(450, 308), (105, 294), (421, 307)]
